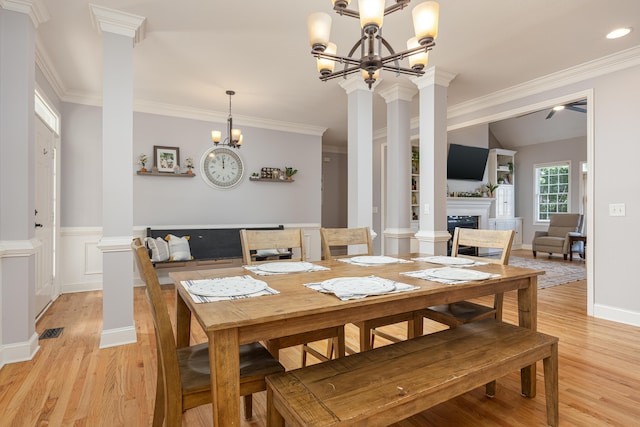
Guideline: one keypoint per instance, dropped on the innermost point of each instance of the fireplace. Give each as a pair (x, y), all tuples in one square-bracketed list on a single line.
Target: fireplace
[(462, 221)]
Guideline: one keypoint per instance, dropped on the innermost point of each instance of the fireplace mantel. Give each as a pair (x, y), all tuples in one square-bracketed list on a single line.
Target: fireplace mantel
[(473, 206)]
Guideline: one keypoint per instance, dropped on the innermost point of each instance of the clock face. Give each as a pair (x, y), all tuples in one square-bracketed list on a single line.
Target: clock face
[(221, 168)]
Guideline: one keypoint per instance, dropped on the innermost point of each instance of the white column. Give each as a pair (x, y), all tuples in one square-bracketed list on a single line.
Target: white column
[(397, 230), (120, 31), (359, 152), (18, 24), (433, 234)]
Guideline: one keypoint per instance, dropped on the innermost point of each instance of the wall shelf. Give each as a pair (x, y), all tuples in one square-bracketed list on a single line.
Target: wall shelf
[(167, 174), (270, 180)]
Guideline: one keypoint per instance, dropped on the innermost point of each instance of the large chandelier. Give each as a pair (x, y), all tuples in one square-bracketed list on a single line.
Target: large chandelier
[(371, 14), (234, 136)]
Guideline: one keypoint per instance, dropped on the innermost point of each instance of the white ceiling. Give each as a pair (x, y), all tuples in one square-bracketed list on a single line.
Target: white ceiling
[(194, 50)]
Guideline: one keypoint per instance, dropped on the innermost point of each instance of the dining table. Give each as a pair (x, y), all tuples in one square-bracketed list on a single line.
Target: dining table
[(296, 307)]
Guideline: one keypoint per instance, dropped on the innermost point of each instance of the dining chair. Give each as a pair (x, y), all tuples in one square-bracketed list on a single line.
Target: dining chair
[(344, 242), (291, 240), (458, 313), (183, 374)]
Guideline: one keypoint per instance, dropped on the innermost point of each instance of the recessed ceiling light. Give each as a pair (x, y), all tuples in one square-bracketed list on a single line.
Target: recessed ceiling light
[(619, 32)]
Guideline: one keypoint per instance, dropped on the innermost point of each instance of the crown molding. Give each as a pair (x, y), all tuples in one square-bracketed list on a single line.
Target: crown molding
[(598, 67), (44, 63), (398, 92), (37, 11), (434, 76), (118, 22)]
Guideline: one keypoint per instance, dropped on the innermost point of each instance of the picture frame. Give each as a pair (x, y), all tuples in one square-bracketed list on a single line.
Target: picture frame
[(165, 159)]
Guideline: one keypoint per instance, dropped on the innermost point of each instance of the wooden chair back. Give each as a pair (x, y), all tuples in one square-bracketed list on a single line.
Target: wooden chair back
[(487, 239), (255, 240), (168, 371), (333, 238)]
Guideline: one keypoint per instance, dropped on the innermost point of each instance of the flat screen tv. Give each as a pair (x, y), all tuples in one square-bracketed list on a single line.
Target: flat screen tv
[(467, 163)]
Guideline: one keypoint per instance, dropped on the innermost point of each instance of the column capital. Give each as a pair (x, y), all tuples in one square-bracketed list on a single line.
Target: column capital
[(434, 76), (398, 92), (117, 22), (36, 9), (356, 82)]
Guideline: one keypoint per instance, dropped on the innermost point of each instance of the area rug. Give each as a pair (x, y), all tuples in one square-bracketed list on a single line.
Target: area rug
[(556, 273)]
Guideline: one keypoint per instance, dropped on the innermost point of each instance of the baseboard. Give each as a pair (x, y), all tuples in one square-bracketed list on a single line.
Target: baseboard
[(81, 287), (118, 336), (616, 314), (19, 352)]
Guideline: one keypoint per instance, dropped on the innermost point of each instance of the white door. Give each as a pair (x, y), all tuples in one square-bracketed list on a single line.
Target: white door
[(45, 202)]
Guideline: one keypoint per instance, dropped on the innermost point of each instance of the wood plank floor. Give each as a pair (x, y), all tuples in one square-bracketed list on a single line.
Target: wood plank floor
[(71, 382)]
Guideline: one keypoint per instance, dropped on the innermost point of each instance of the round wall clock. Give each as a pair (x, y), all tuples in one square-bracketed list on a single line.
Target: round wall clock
[(221, 167)]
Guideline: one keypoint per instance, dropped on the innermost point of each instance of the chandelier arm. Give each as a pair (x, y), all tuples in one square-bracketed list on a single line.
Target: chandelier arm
[(343, 73), (402, 70), (337, 58), (399, 5), (392, 56), (407, 53)]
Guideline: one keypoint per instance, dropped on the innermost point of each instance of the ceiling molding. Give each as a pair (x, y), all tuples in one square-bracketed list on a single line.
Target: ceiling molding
[(605, 65), (44, 64), (114, 21), (37, 11)]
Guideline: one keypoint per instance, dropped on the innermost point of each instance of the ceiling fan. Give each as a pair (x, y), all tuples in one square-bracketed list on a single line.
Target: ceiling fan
[(579, 106)]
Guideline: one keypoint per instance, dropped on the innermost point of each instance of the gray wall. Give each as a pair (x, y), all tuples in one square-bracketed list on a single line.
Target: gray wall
[(334, 189), (190, 201), (572, 150), (472, 136)]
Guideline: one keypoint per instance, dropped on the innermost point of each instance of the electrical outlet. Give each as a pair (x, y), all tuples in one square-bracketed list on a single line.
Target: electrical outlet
[(617, 209)]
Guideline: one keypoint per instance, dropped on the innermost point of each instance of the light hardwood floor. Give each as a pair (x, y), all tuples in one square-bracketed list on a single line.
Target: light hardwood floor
[(71, 382)]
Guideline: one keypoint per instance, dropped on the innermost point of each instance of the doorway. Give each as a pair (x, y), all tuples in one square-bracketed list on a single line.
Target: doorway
[(46, 203)]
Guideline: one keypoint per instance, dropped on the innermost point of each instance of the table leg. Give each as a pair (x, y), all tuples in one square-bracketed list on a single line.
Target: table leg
[(224, 361), (528, 318), (183, 322)]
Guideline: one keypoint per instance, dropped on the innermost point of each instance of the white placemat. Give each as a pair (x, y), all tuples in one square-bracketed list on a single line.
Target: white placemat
[(449, 276), (397, 287), (373, 261), (188, 284), (281, 268), (451, 261)]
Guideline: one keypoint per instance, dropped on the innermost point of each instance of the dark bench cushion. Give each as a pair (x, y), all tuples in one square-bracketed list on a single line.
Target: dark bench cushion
[(210, 243)]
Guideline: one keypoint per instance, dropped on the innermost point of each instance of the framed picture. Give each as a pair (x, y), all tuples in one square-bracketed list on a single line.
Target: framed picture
[(166, 158)]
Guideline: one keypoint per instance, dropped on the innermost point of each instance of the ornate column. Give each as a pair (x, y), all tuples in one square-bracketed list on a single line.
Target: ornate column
[(120, 32), (397, 230), (359, 152), (433, 234), (18, 23)]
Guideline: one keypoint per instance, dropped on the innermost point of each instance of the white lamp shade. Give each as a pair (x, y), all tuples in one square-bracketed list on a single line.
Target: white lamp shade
[(235, 134), (371, 12), (240, 139), (215, 136), (319, 28), (327, 65), (421, 58), (365, 74), (425, 20)]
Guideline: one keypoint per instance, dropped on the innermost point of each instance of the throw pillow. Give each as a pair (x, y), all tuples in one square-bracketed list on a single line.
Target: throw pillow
[(159, 249), (179, 249)]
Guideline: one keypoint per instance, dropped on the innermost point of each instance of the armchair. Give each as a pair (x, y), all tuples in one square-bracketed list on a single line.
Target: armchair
[(556, 238)]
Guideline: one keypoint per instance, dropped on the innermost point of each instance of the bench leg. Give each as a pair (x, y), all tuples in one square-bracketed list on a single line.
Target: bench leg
[(551, 386), (274, 419), (490, 389)]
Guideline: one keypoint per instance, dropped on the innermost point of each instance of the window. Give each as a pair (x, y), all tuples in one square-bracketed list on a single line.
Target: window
[(551, 189)]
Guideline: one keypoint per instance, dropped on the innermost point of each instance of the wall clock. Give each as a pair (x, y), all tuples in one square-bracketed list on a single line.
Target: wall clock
[(221, 167)]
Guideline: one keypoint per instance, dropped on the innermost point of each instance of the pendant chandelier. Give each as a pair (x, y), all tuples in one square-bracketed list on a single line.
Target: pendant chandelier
[(234, 136), (371, 14)]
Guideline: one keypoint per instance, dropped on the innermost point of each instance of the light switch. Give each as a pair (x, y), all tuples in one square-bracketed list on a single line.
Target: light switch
[(617, 209), (427, 209)]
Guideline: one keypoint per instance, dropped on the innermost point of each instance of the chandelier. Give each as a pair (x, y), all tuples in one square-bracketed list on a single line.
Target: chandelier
[(371, 14), (234, 136)]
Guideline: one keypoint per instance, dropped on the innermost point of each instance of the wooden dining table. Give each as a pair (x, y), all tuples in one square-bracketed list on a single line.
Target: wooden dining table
[(297, 308)]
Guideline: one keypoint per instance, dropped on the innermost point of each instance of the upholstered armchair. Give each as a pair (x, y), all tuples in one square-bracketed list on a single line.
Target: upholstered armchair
[(556, 238)]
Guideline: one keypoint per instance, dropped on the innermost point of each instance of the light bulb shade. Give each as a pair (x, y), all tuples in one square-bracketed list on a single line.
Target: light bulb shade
[(425, 21), (325, 65), (215, 136), (371, 13), (319, 28), (419, 60), (235, 135), (365, 75), (240, 140)]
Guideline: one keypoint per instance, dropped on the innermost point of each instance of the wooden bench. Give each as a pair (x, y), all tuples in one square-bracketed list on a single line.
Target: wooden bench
[(391, 383)]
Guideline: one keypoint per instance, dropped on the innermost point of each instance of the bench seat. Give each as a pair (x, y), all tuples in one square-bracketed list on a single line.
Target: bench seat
[(391, 383)]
